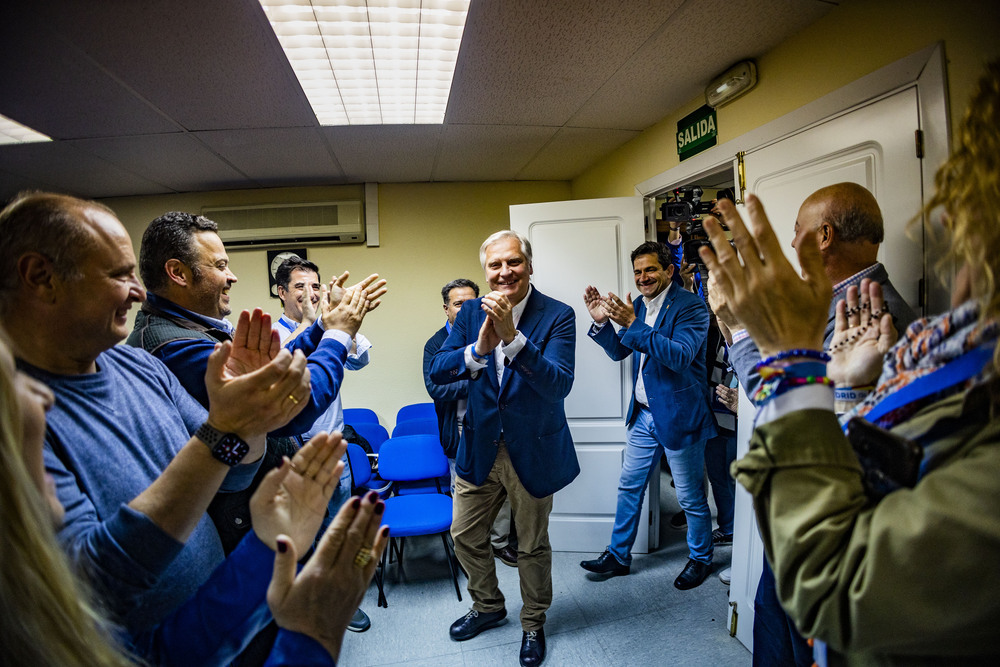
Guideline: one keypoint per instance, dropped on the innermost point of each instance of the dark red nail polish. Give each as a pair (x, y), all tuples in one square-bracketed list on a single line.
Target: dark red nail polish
[(356, 503), (379, 508), (282, 547), (372, 496)]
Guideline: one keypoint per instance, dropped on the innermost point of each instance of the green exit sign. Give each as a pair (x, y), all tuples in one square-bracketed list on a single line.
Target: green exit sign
[(696, 131)]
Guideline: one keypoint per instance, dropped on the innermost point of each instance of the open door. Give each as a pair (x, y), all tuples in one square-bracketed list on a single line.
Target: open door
[(575, 244), (874, 146)]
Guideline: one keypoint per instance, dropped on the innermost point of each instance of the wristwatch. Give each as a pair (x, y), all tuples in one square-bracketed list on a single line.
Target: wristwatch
[(226, 447)]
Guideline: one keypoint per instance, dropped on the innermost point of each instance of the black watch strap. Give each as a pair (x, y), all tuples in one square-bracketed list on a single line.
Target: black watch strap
[(226, 447)]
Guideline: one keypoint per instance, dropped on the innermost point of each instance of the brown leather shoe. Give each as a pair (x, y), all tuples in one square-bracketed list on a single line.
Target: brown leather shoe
[(506, 555)]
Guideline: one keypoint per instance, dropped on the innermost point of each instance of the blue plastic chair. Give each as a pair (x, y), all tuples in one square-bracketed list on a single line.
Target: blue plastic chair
[(361, 468), (354, 416), (411, 458), (375, 434), (416, 427), (416, 411)]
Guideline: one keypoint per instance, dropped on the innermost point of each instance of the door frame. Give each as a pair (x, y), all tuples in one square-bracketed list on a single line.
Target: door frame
[(925, 71)]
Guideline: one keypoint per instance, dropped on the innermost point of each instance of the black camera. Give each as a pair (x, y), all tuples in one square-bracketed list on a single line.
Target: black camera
[(686, 206)]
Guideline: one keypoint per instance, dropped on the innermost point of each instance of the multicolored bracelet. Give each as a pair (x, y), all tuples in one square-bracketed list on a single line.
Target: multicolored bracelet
[(801, 353)]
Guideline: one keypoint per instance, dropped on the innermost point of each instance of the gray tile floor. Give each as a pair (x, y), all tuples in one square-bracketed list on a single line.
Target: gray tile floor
[(640, 619)]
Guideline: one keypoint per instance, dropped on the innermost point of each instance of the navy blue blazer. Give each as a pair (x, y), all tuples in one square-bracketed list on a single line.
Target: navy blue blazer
[(445, 396), (527, 408), (674, 370)]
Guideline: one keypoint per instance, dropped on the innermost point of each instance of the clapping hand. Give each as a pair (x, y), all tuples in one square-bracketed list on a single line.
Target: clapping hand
[(254, 343), (291, 499), (321, 599), (620, 310), (780, 310), (595, 304), (863, 333)]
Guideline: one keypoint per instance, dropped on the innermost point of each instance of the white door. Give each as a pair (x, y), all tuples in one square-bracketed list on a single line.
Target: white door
[(575, 244), (873, 146)]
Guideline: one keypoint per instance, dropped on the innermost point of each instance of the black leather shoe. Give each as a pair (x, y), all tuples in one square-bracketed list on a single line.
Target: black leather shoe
[(606, 564), (692, 575), (360, 622), (532, 647), (475, 622), (506, 555), (720, 538)]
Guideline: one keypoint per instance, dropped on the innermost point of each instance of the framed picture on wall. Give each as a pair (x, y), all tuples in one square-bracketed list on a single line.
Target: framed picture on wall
[(274, 260)]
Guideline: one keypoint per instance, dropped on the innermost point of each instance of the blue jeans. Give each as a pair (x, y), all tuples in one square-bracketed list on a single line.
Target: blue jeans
[(720, 451), (687, 466), (776, 641)]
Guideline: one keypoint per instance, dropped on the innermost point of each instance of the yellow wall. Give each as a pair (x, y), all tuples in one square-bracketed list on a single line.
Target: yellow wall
[(429, 234), (854, 39)]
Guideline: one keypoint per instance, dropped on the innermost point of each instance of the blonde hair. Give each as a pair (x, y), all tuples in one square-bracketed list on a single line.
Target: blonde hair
[(48, 618), (968, 189)]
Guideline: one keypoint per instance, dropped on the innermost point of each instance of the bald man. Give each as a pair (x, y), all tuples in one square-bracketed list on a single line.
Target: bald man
[(847, 222)]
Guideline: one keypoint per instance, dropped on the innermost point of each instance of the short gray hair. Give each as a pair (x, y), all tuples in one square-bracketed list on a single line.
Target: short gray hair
[(504, 234)]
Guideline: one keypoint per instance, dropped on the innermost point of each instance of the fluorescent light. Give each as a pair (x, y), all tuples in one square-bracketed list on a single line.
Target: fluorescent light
[(372, 62), (12, 132)]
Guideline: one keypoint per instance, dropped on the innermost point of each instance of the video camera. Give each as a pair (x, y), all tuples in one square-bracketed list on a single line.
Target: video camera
[(686, 206)]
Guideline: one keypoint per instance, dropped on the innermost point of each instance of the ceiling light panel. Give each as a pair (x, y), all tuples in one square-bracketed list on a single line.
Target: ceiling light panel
[(375, 62), (12, 132)]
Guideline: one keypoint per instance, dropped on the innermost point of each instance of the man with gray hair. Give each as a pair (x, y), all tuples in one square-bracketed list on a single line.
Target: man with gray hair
[(516, 348)]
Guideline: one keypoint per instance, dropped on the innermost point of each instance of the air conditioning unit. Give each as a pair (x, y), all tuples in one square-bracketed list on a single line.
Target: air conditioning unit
[(287, 224)]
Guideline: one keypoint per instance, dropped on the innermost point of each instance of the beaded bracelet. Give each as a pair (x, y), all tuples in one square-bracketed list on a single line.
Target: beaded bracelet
[(819, 355), (793, 369), (772, 390)]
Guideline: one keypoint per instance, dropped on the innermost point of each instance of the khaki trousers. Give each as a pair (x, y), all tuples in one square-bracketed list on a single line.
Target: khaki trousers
[(475, 509)]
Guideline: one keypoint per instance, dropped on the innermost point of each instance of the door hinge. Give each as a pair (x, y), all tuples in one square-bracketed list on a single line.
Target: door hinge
[(742, 175), (733, 620), (918, 138)]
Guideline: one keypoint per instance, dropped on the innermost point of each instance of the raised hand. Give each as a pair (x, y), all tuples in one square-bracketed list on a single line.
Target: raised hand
[(488, 338), (620, 311), (255, 344), (322, 598), (309, 309), (780, 309), (594, 302), (257, 402), (863, 333), (292, 498), (500, 311), (349, 313)]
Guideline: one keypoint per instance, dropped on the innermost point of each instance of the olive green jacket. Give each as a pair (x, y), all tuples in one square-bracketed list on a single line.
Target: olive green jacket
[(912, 580)]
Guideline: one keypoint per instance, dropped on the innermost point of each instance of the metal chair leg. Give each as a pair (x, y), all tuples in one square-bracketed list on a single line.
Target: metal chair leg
[(451, 564)]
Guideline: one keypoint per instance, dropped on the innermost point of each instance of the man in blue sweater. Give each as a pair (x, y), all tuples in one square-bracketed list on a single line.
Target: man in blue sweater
[(134, 459)]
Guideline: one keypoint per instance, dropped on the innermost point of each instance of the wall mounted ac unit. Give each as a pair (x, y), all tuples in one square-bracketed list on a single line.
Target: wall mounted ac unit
[(287, 224)]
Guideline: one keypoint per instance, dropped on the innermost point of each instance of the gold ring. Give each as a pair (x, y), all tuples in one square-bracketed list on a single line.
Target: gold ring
[(293, 399), (363, 557)]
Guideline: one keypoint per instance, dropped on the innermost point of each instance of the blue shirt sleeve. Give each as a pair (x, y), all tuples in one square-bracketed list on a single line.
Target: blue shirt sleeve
[(292, 649), (219, 620)]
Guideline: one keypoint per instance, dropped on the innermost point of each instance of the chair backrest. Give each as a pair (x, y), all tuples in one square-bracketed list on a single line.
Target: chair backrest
[(416, 411), (361, 468), (411, 457), (416, 427), (354, 416), (375, 434)]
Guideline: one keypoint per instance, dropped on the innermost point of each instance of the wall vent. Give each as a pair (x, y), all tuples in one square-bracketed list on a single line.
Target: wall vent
[(287, 224)]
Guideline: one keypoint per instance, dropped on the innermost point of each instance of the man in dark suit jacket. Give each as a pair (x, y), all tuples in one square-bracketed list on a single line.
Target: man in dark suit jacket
[(516, 347), (449, 404), (665, 331)]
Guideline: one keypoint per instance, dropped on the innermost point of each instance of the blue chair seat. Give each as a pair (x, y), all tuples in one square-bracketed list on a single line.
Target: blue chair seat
[(421, 514)]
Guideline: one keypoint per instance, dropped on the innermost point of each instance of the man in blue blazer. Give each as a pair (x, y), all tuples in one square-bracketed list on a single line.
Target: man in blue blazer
[(516, 347), (665, 331)]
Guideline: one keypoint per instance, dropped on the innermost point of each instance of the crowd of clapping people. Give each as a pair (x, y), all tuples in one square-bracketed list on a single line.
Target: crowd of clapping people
[(160, 505)]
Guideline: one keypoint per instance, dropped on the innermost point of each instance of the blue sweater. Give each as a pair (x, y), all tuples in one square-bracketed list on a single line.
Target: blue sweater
[(110, 435), (214, 626)]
